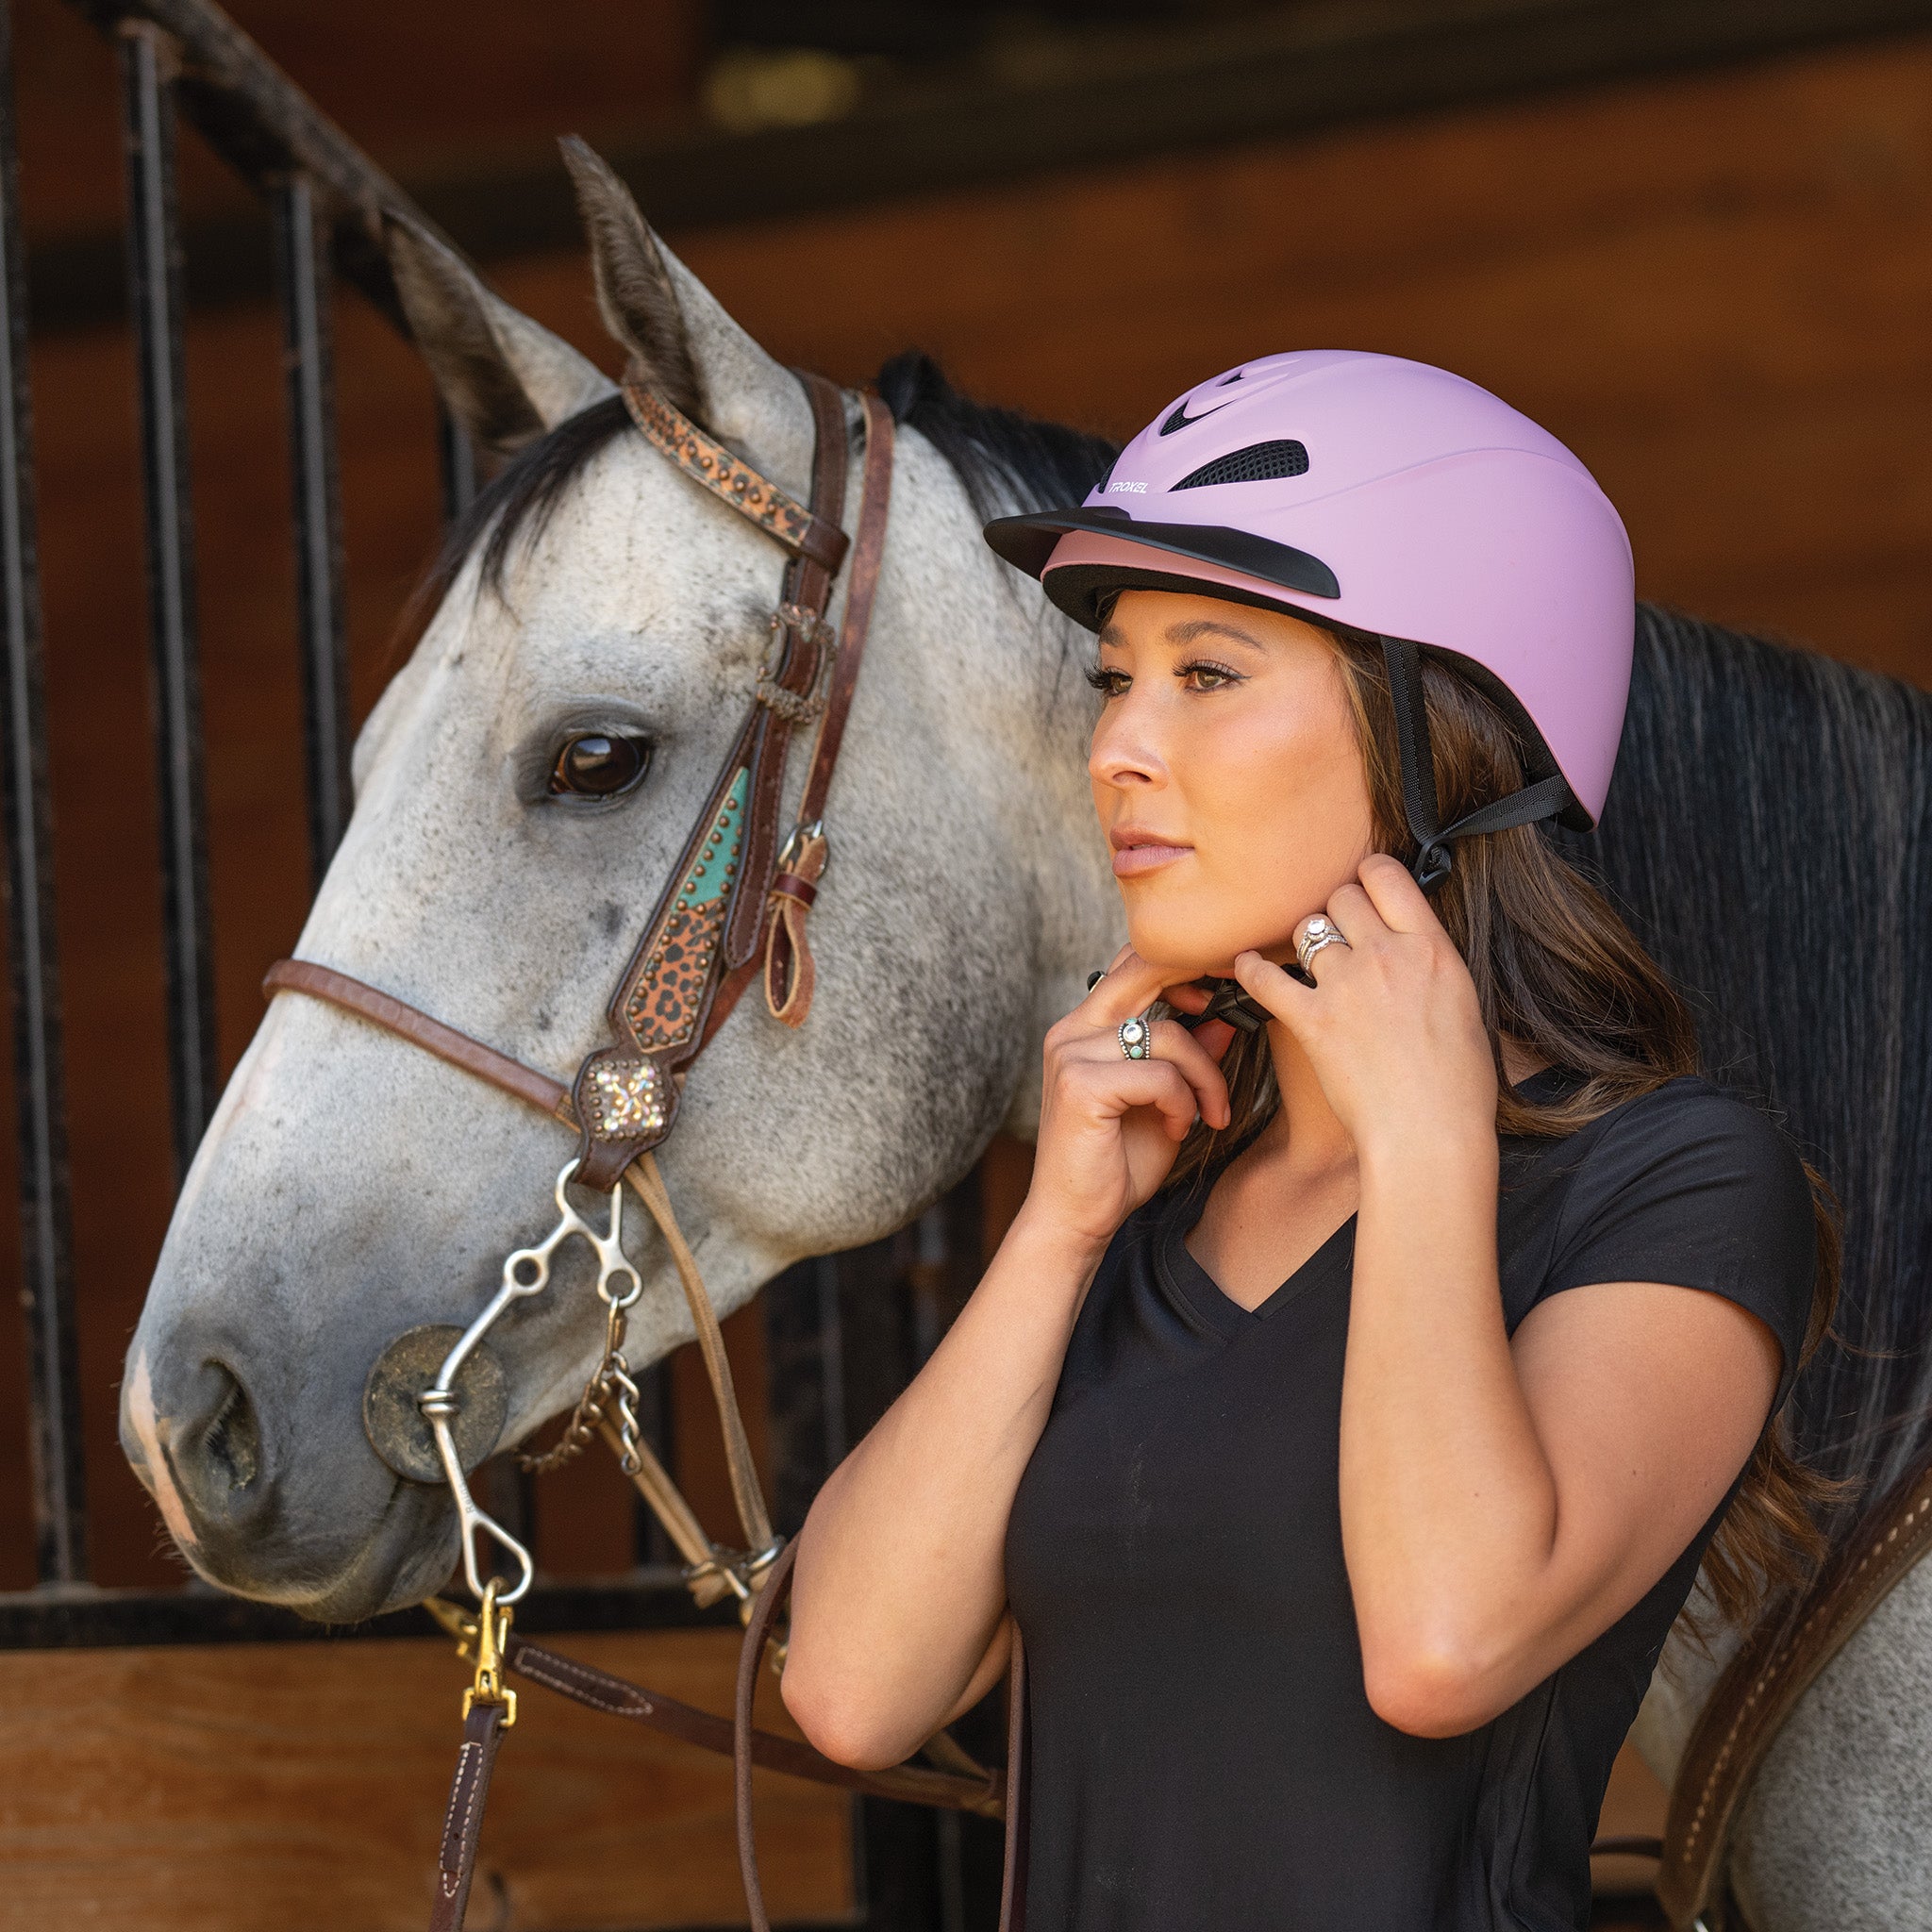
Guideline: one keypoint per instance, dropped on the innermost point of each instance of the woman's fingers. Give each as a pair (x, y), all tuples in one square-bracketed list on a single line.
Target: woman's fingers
[(1129, 987), (1197, 1066), (1188, 997), (1152, 1083), (1397, 901), (1281, 995), (1350, 910), (1115, 1083), (1213, 1037)]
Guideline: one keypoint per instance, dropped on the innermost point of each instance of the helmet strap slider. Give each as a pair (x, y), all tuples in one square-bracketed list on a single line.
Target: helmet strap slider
[(1433, 863)]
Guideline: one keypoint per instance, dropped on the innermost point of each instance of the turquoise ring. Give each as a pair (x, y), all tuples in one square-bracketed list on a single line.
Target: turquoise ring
[(1137, 1038)]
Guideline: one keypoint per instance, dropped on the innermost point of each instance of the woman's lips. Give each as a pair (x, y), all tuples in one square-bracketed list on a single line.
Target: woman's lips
[(1129, 862)]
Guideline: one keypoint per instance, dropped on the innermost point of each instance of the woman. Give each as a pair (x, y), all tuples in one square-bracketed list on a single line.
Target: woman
[(1346, 1414)]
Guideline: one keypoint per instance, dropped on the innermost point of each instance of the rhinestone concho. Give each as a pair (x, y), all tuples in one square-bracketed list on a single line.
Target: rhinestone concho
[(627, 1100)]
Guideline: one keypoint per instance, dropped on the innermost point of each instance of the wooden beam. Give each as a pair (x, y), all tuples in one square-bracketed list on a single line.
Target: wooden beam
[(1101, 95)]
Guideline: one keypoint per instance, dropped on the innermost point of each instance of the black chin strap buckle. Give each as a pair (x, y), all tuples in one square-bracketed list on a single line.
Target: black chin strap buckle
[(1433, 864)]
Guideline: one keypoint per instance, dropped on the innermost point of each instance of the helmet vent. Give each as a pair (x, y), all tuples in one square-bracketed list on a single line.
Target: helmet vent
[(1261, 462)]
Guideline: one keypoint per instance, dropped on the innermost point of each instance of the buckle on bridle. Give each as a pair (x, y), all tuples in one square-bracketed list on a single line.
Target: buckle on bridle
[(808, 622), (793, 850), (741, 1571)]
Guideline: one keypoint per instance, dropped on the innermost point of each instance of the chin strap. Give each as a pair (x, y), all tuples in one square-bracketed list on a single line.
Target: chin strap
[(1433, 862)]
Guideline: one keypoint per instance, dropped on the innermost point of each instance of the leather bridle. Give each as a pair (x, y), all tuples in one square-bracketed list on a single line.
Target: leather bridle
[(735, 906)]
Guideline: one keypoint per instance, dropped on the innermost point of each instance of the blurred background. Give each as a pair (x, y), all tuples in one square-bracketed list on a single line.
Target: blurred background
[(1693, 238)]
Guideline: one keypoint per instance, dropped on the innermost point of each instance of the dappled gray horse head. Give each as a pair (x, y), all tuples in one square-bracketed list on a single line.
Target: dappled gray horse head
[(351, 1188)]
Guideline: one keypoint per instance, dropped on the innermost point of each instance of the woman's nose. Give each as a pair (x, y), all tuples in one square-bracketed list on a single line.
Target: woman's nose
[(1123, 752)]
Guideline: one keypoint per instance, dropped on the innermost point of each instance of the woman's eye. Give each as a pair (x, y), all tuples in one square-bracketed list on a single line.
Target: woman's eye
[(599, 766), (1109, 684), (1204, 676)]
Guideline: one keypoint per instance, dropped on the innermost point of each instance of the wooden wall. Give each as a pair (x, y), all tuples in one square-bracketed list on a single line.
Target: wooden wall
[(302, 1789)]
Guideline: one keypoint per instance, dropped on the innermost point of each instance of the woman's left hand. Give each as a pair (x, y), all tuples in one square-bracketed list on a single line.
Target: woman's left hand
[(1391, 1025)]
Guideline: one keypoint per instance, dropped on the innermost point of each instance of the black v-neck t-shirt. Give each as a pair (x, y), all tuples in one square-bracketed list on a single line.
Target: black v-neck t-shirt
[(1202, 1755)]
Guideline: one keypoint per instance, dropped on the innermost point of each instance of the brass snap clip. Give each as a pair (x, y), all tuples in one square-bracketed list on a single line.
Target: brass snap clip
[(490, 1633)]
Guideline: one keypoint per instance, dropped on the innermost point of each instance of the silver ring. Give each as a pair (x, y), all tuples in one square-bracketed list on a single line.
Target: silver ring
[(1318, 930), (1137, 1038)]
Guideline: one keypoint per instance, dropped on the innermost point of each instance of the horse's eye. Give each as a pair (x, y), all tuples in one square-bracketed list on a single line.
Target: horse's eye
[(599, 766)]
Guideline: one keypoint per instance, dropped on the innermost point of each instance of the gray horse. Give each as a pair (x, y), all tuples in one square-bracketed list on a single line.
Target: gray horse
[(350, 1188)]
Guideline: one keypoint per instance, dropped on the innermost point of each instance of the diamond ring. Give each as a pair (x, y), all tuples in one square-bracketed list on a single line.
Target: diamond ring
[(1317, 931), (1136, 1038)]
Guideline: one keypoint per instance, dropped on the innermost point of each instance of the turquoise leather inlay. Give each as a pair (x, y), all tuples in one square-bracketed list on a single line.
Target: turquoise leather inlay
[(710, 877)]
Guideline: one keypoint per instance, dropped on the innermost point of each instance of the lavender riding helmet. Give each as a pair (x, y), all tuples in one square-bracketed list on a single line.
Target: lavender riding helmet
[(1391, 498)]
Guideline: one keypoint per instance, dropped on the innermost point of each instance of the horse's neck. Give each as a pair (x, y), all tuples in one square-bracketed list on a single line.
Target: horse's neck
[(996, 677)]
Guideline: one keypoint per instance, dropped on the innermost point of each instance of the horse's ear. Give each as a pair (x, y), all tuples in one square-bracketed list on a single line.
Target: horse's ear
[(506, 379), (680, 339)]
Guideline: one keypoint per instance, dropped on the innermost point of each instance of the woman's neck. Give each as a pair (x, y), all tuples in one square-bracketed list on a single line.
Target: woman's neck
[(1307, 1124), (1304, 1122)]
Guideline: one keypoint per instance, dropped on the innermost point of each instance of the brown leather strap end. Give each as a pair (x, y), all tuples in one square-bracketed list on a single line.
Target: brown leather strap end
[(791, 977), (463, 1824), (751, 1656)]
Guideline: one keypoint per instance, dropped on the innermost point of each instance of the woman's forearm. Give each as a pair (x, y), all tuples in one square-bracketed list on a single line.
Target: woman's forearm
[(1448, 1501), (900, 1586)]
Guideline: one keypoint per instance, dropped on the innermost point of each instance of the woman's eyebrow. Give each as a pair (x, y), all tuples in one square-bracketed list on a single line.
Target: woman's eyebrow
[(1208, 627), (1113, 634)]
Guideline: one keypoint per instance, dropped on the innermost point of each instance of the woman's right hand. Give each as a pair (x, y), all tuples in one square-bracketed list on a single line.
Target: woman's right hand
[(1109, 1127)]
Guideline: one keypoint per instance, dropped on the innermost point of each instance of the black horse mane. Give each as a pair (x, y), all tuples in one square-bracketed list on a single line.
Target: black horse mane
[(1763, 837)]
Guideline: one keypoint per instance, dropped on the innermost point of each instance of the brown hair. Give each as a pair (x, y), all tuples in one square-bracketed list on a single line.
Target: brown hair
[(1559, 974)]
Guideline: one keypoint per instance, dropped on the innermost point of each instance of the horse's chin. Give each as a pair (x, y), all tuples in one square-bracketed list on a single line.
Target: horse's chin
[(409, 1556)]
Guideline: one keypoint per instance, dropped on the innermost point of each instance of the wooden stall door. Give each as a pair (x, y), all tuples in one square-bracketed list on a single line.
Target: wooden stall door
[(301, 1788)]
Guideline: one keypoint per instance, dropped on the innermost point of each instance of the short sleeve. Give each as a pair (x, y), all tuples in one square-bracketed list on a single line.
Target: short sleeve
[(1693, 1187)]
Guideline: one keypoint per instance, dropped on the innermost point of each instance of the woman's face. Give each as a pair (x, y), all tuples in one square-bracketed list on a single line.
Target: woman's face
[(1227, 776)]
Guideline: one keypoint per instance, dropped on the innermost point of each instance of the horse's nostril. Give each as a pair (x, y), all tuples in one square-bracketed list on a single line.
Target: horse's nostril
[(231, 1443)]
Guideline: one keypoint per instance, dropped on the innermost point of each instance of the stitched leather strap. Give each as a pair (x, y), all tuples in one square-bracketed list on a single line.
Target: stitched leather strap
[(707, 462), (1762, 1684), (596, 1689), (584, 1684), (456, 1865), (408, 1023), (789, 971), (867, 554)]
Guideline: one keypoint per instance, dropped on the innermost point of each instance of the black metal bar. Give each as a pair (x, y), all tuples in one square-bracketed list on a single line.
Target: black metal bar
[(303, 279), (46, 1221), (650, 1547), (265, 127), (154, 263), (456, 459), (647, 1599)]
